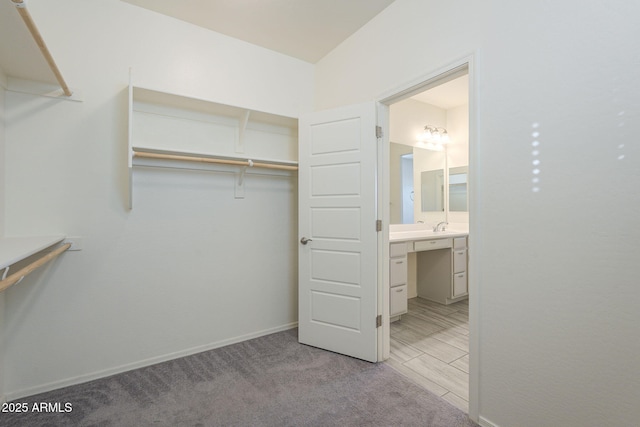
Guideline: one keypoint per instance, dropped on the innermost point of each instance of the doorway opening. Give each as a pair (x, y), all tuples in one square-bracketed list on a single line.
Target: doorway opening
[(428, 336)]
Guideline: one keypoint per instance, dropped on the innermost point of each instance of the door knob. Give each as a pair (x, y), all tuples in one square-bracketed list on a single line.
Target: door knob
[(304, 240)]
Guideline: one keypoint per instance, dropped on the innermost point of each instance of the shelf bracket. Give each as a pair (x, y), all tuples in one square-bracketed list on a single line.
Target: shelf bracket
[(239, 193), (242, 127)]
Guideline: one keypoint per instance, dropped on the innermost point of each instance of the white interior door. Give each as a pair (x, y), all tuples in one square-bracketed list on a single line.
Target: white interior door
[(338, 271)]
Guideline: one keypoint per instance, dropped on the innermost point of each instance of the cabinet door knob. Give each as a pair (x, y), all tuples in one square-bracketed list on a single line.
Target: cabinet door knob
[(304, 240)]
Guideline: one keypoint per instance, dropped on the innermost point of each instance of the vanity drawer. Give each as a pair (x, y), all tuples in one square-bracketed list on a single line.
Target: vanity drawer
[(398, 300), (397, 271), (459, 242), (459, 260), (432, 244), (459, 284), (397, 249)]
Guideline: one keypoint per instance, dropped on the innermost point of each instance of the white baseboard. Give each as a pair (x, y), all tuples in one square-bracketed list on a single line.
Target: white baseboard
[(140, 364), (486, 423)]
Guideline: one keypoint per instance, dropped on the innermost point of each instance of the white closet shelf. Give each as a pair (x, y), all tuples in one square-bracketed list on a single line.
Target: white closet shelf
[(214, 158), (156, 97), (15, 249), (21, 7), (170, 130)]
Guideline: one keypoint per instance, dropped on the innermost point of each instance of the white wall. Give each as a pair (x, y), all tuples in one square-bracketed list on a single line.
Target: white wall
[(407, 119), (555, 283), (190, 267)]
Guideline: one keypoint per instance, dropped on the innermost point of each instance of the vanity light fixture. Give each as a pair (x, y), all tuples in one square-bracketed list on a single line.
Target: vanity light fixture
[(434, 134)]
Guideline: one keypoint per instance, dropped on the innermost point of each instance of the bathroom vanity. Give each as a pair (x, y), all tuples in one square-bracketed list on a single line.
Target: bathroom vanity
[(439, 270)]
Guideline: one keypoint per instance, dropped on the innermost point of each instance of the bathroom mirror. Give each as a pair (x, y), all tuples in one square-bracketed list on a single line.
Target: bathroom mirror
[(458, 183), (407, 166), (432, 190)]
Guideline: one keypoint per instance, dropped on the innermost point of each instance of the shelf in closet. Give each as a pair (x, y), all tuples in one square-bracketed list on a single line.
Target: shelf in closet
[(169, 130), (206, 158), (16, 249), (25, 57)]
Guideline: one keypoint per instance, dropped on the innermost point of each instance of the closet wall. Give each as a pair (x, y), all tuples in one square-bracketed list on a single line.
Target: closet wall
[(190, 267)]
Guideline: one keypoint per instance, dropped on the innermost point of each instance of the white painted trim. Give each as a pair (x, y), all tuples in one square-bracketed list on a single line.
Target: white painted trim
[(425, 81), (475, 289), (384, 332), (41, 89), (143, 363), (486, 423), (404, 91)]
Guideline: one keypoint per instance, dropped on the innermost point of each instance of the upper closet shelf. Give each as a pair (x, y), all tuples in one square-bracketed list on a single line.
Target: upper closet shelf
[(15, 249), (166, 128), (21, 7)]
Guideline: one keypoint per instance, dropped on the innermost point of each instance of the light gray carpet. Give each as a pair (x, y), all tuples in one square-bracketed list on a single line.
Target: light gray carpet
[(267, 381)]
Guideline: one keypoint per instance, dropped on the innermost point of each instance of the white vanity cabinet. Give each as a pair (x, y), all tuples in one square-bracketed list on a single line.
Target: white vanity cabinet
[(429, 265), (460, 287), (397, 279), (442, 269)]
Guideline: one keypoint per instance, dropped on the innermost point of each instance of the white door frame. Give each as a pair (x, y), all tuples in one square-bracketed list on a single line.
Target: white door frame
[(404, 91)]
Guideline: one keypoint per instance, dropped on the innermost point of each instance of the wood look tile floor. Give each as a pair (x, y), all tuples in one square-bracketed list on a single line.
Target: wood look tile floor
[(430, 345)]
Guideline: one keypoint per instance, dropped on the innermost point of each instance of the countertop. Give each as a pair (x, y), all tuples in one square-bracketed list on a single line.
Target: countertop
[(402, 233)]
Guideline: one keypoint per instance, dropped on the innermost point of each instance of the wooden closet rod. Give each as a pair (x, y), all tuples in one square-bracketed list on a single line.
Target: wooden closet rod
[(21, 5), (212, 160), (19, 275)]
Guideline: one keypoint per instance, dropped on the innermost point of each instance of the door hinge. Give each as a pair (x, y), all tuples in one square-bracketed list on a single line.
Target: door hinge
[(378, 131), (378, 225), (378, 320)]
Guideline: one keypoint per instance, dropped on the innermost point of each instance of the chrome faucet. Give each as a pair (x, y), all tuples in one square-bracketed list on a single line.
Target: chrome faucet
[(443, 224)]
